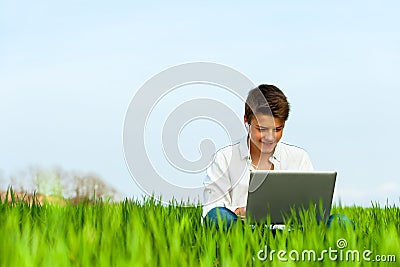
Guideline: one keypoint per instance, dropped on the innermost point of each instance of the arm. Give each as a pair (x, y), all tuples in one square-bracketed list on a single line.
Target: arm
[(306, 164), (217, 185)]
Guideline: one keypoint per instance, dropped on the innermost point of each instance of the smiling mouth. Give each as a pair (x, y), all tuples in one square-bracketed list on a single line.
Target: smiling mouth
[(267, 143)]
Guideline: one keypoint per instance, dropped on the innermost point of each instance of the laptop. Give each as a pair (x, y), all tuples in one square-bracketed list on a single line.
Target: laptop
[(275, 194)]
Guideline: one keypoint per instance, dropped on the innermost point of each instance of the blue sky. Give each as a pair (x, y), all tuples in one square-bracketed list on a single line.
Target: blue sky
[(68, 71)]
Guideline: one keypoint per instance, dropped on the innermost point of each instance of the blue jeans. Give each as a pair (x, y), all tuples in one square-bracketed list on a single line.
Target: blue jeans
[(228, 218)]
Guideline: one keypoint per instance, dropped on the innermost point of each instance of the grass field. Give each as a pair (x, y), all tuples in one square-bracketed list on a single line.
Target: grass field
[(147, 233)]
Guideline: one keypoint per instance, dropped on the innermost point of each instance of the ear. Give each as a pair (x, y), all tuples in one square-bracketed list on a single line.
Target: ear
[(246, 123)]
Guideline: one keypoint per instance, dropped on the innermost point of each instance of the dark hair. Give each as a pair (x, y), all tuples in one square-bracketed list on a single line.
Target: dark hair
[(268, 100)]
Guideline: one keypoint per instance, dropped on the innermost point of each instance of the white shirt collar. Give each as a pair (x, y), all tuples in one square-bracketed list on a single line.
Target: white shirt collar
[(244, 150)]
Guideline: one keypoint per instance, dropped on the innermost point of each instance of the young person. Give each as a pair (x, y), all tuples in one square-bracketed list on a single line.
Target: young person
[(227, 180)]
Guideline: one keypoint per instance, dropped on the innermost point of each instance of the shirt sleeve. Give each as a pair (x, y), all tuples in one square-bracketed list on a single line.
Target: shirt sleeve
[(217, 185), (306, 164)]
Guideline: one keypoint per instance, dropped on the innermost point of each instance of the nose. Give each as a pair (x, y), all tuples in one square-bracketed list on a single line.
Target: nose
[(269, 135)]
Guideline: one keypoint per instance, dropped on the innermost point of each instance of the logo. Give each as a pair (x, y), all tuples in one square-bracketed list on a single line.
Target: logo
[(146, 173)]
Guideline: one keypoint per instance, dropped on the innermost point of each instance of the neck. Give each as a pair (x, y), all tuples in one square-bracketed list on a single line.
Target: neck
[(258, 158)]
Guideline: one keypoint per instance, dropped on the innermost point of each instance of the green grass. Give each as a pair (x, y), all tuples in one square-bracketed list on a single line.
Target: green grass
[(147, 233)]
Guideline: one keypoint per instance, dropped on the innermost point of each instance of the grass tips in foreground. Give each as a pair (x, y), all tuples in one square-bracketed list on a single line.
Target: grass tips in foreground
[(147, 233)]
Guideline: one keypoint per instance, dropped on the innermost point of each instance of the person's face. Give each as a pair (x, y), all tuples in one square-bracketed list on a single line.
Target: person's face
[(265, 132)]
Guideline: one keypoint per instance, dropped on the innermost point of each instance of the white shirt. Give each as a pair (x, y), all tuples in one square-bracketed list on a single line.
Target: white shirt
[(228, 176)]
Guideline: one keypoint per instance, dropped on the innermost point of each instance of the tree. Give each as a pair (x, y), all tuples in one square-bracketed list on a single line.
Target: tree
[(90, 187), (60, 183)]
